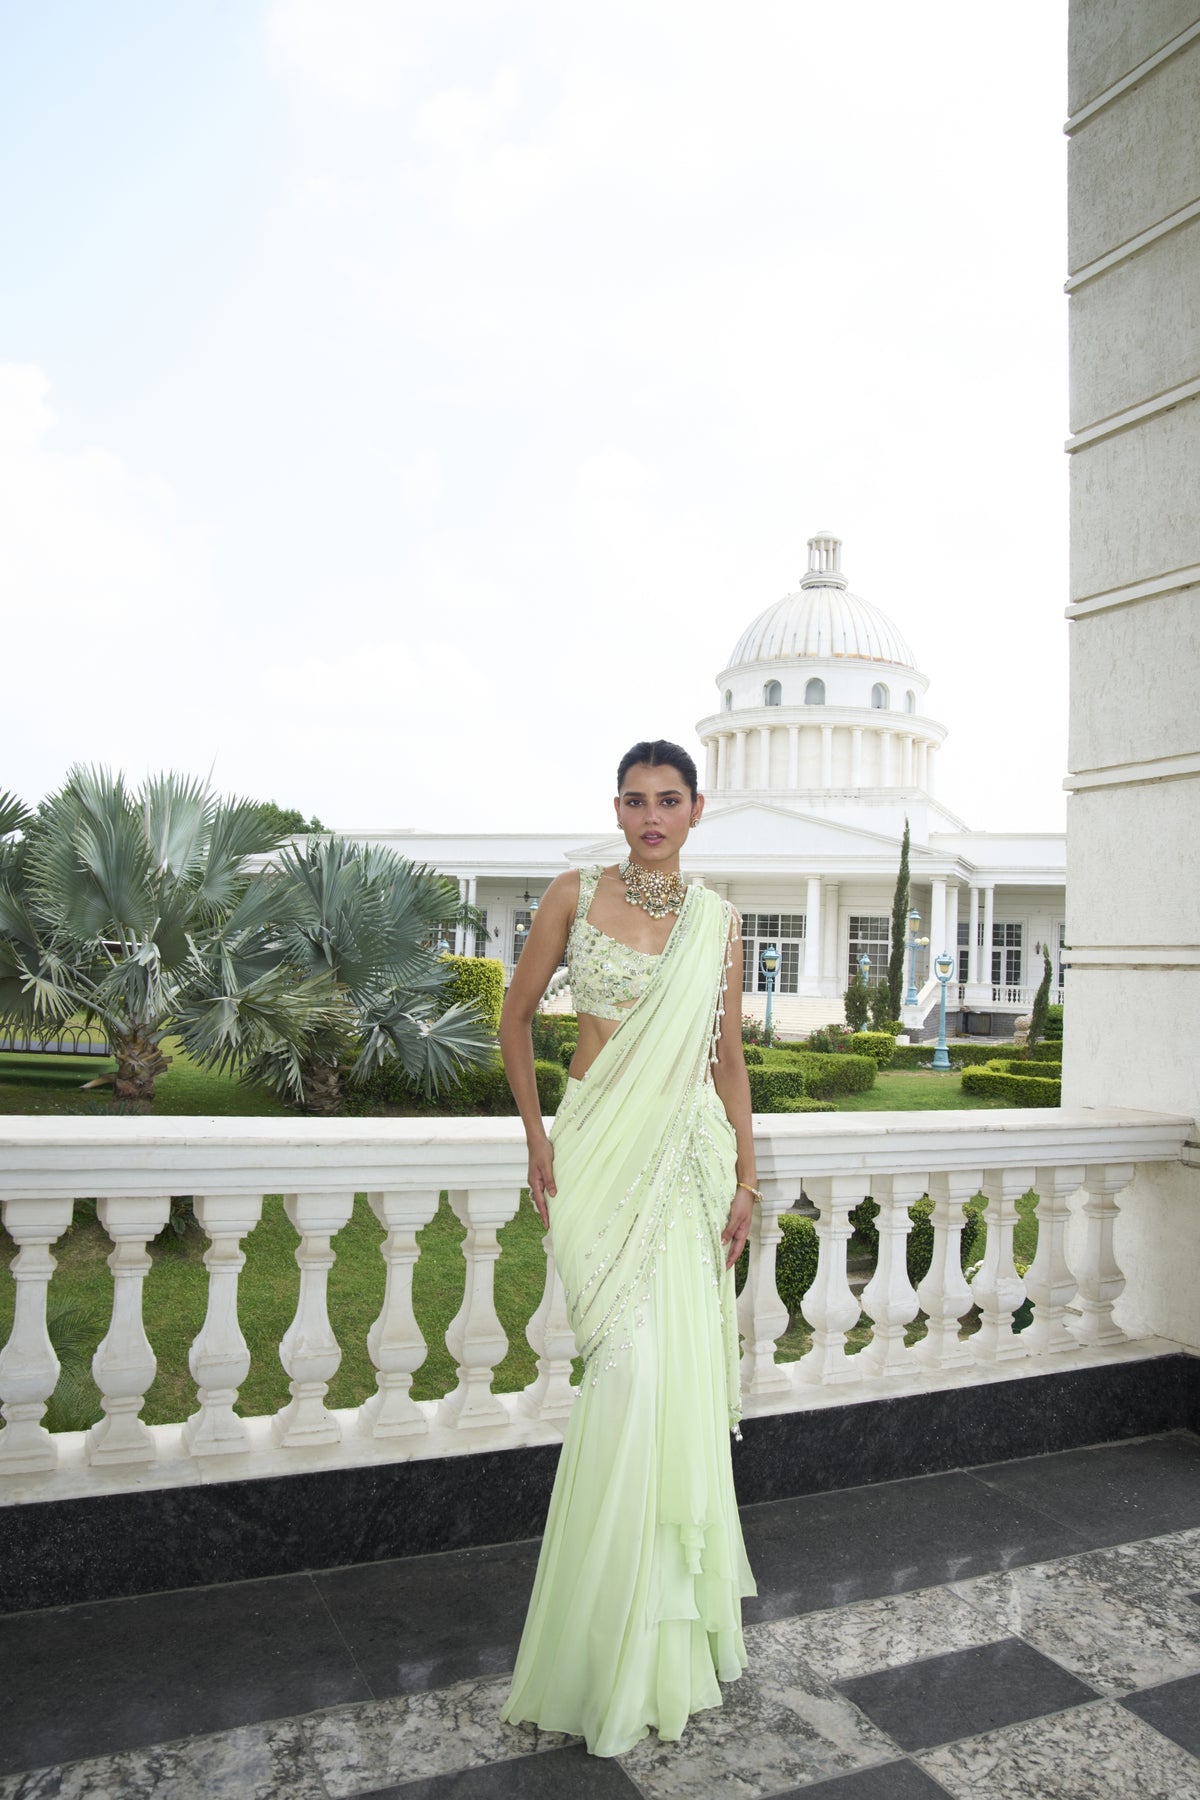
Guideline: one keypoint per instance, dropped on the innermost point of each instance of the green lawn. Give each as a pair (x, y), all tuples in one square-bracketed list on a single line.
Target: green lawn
[(915, 1090), (55, 1084)]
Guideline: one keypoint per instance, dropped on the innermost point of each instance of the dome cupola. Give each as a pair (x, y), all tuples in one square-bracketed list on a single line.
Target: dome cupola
[(823, 619)]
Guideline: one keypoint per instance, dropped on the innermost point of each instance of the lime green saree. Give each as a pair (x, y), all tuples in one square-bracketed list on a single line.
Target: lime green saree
[(636, 1609)]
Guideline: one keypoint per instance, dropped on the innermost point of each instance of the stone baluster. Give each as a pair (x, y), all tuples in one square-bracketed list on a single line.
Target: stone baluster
[(830, 1305), (124, 1365), (220, 1357), (395, 1340), (550, 1395), (943, 1293), (475, 1337), (889, 1298), (762, 1317), (1049, 1281), (310, 1352), (28, 1365), (1100, 1279), (998, 1291)]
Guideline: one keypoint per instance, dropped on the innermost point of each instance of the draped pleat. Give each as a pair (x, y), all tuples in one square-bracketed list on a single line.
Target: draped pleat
[(636, 1608)]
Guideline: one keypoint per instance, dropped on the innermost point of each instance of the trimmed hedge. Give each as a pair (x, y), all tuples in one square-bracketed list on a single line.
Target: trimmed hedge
[(920, 1237), (825, 1076), (839, 1040), (550, 1030), (753, 1055), (920, 1056), (1042, 1069), (1017, 1090), (1054, 1023), (879, 1045), (1049, 1050), (482, 1090), (795, 1262), (769, 1086), (478, 978), (566, 1051), (790, 1104)]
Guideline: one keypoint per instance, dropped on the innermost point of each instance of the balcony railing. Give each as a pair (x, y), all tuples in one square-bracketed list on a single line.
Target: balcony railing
[(132, 1166)]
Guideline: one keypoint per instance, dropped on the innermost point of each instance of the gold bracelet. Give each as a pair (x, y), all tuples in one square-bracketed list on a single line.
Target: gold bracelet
[(752, 1191)]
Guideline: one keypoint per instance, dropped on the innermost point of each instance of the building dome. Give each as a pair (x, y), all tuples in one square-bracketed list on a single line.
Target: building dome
[(823, 620)]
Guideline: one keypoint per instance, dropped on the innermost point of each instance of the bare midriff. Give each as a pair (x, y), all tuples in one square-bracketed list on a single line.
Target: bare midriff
[(593, 1035)]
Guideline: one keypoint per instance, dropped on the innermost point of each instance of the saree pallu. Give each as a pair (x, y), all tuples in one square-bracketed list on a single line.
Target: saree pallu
[(636, 1610)]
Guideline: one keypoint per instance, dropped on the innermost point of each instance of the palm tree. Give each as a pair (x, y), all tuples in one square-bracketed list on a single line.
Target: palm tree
[(141, 910), (371, 924)]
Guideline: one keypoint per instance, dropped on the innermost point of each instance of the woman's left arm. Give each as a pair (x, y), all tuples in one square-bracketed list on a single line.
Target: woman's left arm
[(733, 1085)]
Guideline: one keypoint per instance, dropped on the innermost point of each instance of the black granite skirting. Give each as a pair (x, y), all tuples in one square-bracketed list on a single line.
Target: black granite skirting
[(59, 1552)]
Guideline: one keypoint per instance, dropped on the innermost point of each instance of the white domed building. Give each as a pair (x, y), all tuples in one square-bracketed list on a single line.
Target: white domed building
[(819, 749)]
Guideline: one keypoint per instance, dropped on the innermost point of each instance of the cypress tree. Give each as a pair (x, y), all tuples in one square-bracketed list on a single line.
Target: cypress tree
[(1041, 1000), (895, 974)]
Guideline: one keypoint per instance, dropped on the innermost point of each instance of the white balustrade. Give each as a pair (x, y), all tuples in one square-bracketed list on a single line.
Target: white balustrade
[(220, 1357), (1049, 1281), (830, 1305), (402, 1165), (28, 1365), (1100, 1280), (476, 1339), (124, 1365), (997, 1289), (889, 1298), (310, 1353), (944, 1295), (395, 1341), (550, 1395)]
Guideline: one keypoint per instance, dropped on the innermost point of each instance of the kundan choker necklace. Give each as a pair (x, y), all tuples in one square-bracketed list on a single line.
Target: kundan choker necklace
[(652, 889)]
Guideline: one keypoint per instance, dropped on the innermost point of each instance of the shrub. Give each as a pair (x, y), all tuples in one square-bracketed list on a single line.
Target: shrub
[(482, 1090), (825, 1076), (795, 1262), (791, 1103), (1018, 1090), (478, 978), (753, 1055), (549, 1031), (566, 1050), (754, 1031), (1054, 1022), (1041, 1069), (829, 1040), (1049, 1050), (881, 1009), (767, 1086), (856, 1002), (879, 1045), (920, 1056)]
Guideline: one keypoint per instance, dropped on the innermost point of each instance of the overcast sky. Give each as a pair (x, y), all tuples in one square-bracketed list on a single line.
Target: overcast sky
[(405, 406)]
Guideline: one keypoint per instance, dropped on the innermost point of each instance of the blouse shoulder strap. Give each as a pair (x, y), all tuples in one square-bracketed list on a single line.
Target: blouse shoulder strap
[(587, 887)]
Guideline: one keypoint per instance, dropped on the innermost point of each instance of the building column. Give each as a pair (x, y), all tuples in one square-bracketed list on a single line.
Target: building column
[(722, 761), (739, 760), (886, 774), (827, 756), (793, 762), (710, 764), (856, 756), (985, 955), (812, 929), (829, 936), (922, 762), (937, 918), (930, 766), (973, 938), (764, 756), (906, 761), (952, 931)]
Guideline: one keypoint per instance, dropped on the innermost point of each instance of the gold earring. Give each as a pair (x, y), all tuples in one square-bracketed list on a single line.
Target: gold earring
[(695, 821)]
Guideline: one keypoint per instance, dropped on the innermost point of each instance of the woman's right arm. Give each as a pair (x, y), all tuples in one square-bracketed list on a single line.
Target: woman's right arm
[(539, 959)]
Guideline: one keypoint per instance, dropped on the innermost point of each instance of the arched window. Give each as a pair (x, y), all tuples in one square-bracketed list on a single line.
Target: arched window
[(772, 694), (728, 699), (814, 692), (910, 701), (879, 697)]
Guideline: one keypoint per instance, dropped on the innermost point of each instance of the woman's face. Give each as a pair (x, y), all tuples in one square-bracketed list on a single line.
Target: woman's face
[(655, 811)]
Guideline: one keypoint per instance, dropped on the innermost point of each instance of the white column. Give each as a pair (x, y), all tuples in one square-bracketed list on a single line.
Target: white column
[(830, 946), (889, 1298), (906, 761), (944, 1294), (220, 1357), (856, 744), (997, 1289), (762, 1316), (710, 764), (475, 1337), (550, 1394), (309, 1351), (930, 767), (830, 1305), (1101, 1282), (812, 929), (764, 756), (937, 918), (739, 760), (722, 761), (793, 763), (985, 954), (922, 765), (395, 1341), (28, 1365), (460, 930), (952, 933), (1049, 1282), (826, 756), (887, 758), (973, 937), (124, 1365)]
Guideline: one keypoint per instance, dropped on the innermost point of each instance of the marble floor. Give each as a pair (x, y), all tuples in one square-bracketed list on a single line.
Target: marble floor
[(1023, 1629)]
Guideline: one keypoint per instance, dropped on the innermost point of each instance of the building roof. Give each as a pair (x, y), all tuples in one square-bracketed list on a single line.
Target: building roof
[(823, 620)]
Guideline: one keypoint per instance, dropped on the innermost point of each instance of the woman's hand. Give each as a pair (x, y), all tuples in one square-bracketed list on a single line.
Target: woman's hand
[(541, 1178), (737, 1230)]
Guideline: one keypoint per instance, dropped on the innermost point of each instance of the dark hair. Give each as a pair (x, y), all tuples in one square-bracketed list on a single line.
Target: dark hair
[(655, 753)]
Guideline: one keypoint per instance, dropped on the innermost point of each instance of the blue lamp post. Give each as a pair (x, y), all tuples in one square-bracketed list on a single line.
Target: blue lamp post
[(914, 920), (864, 969), (769, 962), (943, 968)]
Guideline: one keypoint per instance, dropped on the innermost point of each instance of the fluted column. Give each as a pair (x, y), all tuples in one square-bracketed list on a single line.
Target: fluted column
[(310, 1352), (1101, 1282), (830, 1305), (889, 1298), (762, 1316), (475, 1337), (997, 1289), (944, 1295), (1049, 1281), (220, 1357), (812, 929), (124, 1365), (550, 1395), (28, 1365), (395, 1341)]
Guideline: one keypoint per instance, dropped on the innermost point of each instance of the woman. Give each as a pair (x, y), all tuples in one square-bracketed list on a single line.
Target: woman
[(647, 1185)]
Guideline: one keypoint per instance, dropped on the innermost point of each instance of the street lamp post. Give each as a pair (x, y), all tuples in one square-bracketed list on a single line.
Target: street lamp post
[(769, 962), (943, 968), (864, 969), (914, 920)]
